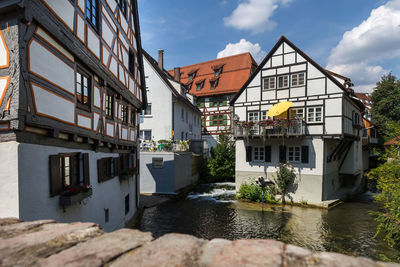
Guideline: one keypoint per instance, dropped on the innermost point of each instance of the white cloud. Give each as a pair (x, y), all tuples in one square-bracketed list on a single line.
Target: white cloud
[(364, 76), (241, 47), (254, 15), (361, 51)]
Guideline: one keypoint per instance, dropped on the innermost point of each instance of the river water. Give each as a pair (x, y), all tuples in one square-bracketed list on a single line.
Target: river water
[(211, 212)]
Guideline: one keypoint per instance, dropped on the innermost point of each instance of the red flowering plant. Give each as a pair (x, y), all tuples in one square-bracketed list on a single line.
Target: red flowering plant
[(247, 124), (268, 122), (76, 189)]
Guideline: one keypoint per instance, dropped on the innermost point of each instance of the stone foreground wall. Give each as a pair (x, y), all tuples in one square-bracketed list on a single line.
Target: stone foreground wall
[(47, 243)]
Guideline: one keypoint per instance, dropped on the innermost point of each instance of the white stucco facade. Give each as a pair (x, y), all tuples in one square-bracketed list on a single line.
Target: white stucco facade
[(25, 188), (171, 110)]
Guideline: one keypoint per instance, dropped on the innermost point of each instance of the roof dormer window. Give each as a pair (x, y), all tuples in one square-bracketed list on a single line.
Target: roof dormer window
[(192, 75), (218, 70), (213, 83), (199, 85)]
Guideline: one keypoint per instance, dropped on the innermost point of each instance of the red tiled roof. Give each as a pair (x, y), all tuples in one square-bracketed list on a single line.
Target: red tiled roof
[(363, 96), (394, 141), (235, 72)]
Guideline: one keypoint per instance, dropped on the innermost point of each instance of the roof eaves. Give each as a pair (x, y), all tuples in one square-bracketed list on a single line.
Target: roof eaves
[(298, 50)]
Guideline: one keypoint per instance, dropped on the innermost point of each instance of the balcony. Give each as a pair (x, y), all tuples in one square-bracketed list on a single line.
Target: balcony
[(269, 128)]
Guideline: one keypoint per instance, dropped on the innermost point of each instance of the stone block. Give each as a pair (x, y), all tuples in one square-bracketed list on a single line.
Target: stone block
[(242, 253), (168, 250), (325, 259), (99, 250), (12, 230), (52, 238), (7, 221)]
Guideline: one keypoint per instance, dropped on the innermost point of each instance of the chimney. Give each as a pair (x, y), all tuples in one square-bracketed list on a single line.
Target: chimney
[(161, 59), (177, 74)]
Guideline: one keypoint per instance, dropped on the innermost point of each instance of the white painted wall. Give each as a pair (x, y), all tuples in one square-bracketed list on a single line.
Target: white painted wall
[(34, 189), (50, 104), (160, 98), (315, 165), (46, 64), (64, 10), (309, 176), (9, 196), (165, 108)]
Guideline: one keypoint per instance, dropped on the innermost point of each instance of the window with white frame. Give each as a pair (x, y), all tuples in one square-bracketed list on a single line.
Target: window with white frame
[(264, 116), (294, 154), (145, 135), (259, 154), (298, 79), (296, 113), (314, 114), (283, 81), (269, 83), (254, 117)]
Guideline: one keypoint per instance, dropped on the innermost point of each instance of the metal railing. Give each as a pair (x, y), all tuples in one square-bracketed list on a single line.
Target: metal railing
[(293, 128)]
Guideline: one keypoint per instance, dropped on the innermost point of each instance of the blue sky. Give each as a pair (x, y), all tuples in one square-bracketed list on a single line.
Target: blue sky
[(356, 38)]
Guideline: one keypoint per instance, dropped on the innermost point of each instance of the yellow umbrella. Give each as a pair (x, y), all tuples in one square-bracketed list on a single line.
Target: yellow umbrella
[(279, 108)]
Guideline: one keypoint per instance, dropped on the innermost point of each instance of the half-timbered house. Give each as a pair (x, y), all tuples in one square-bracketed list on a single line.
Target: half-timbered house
[(214, 83), (319, 135), (71, 87)]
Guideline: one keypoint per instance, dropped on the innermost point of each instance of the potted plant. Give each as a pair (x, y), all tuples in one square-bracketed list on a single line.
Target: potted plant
[(74, 194), (247, 126)]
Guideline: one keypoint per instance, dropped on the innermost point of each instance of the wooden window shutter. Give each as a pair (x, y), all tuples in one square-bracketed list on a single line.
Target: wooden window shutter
[(304, 154), (55, 175), (100, 171), (249, 151), (268, 154), (116, 166), (86, 172), (282, 153)]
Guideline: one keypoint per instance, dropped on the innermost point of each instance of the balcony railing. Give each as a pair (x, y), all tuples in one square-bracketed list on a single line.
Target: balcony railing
[(270, 128)]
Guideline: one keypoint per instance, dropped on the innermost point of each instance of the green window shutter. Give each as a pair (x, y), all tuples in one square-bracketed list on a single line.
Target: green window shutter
[(225, 103)]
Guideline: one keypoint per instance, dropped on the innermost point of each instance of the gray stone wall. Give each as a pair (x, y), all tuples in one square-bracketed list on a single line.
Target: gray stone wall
[(47, 243)]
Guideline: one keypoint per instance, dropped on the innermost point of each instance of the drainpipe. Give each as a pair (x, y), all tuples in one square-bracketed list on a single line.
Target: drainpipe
[(173, 117)]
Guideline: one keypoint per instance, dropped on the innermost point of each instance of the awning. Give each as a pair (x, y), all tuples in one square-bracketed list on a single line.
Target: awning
[(279, 108)]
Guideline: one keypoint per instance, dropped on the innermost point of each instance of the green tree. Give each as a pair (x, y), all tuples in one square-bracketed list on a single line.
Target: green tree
[(386, 107), (387, 176), (221, 165)]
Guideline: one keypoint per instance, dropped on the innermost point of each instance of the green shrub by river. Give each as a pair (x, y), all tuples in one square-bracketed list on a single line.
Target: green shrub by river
[(387, 176), (252, 191)]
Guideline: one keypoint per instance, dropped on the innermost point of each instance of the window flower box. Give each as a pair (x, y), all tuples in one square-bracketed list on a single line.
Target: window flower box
[(74, 195), (128, 173)]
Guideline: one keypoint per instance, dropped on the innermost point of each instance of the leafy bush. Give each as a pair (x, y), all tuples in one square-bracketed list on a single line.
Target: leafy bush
[(253, 192), (284, 178), (387, 176), (221, 165)]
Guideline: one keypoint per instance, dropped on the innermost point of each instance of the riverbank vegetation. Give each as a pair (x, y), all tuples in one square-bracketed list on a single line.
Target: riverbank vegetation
[(386, 118), (387, 176), (253, 192), (221, 165), (282, 181)]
